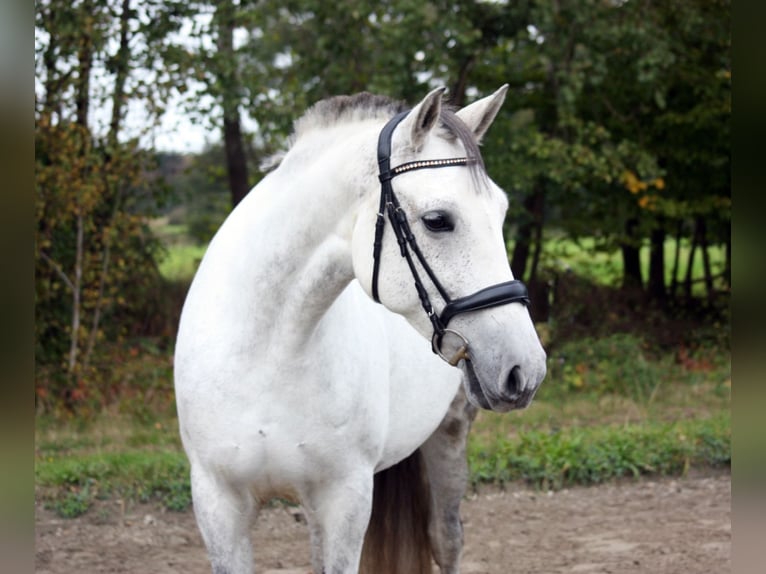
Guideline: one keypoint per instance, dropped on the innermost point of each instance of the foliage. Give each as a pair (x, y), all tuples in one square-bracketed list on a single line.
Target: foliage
[(594, 455), (72, 504), (588, 365), (198, 197), (580, 307), (95, 256), (616, 120), (135, 375), (615, 132)]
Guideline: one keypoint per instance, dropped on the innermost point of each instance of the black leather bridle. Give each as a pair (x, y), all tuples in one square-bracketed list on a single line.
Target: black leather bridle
[(503, 293)]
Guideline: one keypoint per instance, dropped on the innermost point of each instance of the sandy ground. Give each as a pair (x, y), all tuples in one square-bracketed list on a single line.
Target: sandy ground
[(663, 526)]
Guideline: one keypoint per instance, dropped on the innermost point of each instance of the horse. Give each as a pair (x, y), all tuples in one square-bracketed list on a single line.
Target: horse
[(309, 367)]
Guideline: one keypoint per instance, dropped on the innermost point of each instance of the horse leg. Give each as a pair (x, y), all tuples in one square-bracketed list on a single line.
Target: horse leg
[(338, 512), (316, 544), (447, 467), (224, 516)]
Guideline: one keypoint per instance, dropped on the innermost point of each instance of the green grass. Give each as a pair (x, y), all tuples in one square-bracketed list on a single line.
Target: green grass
[(590, 455), (181, 261), (588, 259), (182, 253), (609, 408), (115, 455), (137, 475)]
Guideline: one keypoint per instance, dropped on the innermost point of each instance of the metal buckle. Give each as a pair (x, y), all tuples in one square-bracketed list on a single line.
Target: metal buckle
[(461, 353)]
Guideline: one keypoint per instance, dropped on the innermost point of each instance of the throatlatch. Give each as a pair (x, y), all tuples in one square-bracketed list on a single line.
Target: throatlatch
[(500, 294)]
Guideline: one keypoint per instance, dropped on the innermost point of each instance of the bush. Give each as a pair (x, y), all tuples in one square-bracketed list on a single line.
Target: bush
[(617, 364), (597, 454)]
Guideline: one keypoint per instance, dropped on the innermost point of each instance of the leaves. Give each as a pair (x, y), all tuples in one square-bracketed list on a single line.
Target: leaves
[(92, 188)]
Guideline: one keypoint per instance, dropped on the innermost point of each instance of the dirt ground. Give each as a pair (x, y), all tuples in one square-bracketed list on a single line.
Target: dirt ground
[(662, 526)]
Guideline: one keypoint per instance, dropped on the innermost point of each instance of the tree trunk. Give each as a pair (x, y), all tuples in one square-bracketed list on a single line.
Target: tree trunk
[(727, 265), (539, 212), (85, 63), (631, 257), (457, 94), (690, 264), (122, 67), (656, 286), (234, 148), (521, 249), (76, 292), (676, 261), (51, 105), (702, 225), (533, 205), (111, 191), (82, 105), (236, 161)]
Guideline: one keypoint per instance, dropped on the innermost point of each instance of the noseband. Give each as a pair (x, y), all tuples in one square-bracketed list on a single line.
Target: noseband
[(499, 294)]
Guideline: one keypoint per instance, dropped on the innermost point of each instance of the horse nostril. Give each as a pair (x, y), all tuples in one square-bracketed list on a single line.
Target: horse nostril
[(514, 383)]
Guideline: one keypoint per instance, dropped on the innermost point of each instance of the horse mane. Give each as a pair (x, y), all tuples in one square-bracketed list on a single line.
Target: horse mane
[(342, 109), (363, 106)]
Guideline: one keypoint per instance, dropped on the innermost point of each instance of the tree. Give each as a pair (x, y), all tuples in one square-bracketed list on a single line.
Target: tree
[(665, 85), (93, 248)]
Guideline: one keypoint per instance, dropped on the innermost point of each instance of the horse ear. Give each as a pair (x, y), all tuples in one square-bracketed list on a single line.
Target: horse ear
[(479, 115), (423, 117)]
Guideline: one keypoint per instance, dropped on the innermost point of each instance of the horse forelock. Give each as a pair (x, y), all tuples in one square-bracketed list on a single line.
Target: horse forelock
[(364, 106), (457, 128)]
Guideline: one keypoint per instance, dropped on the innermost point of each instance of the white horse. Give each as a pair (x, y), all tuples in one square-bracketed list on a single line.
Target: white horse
[(292, 382)]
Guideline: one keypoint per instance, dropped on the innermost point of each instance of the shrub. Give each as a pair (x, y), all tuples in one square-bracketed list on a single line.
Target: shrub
[(617, 364)]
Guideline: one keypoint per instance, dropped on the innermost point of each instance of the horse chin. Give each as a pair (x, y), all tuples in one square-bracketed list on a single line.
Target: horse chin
[(479, 398)]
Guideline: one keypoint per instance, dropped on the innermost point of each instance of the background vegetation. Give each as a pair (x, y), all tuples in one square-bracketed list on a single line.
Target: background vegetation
[(613, 147)]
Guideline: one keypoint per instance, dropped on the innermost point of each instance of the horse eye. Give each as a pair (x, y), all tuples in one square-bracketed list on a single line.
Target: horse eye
[(438, 221)]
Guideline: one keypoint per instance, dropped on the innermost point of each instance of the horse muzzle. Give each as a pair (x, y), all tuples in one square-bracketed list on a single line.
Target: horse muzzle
[(511, 391)]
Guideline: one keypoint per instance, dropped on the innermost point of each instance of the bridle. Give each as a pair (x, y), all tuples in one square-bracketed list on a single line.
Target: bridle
[(500, 294)]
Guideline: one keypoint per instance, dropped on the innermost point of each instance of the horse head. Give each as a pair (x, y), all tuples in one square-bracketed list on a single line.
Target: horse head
[(442, 229)]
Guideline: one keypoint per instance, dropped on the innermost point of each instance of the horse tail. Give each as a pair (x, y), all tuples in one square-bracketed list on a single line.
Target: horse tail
[(397, 540)]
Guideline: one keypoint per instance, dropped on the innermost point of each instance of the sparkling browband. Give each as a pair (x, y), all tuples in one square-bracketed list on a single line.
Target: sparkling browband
[(422, 164), (409, 166)]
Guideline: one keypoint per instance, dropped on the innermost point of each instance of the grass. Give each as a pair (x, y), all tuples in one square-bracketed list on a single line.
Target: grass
[(181, 261), (590, 455), (604, 266), (610, 408), (116, 455), (136, 475)]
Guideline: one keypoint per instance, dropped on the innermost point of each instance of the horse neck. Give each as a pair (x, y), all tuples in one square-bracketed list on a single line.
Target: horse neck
[(296, 226)]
